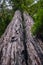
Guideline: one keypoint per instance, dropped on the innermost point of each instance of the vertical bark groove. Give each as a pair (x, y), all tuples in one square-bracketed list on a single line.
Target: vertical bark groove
[(24, 41)]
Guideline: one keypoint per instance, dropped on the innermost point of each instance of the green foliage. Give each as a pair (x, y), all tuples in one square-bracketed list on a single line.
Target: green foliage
[(21, 4), (37, 28), (5, 18), (40, 4), (34, 8)]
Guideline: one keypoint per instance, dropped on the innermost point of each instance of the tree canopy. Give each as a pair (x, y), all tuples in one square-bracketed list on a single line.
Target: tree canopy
[(21, 4)]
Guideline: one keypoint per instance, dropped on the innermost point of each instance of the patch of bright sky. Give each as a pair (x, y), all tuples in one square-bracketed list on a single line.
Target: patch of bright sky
[(35, 2), (8, 5), (1, 1)]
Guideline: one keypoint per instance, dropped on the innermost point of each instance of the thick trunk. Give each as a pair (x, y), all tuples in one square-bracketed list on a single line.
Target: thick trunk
[(12, 42), (35, 52), (17, 46)]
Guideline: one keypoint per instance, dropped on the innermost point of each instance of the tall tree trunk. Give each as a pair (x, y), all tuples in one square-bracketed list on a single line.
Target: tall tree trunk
[(35, 52), (17, 46)]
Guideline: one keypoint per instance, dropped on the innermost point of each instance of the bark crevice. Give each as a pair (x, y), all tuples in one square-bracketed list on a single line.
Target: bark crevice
[(24, 52)]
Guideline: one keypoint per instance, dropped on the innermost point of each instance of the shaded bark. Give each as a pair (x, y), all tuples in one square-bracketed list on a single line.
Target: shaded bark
[(35, 52)]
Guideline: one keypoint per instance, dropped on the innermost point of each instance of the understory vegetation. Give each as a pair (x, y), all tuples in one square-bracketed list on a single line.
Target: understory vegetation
[(34, 9)]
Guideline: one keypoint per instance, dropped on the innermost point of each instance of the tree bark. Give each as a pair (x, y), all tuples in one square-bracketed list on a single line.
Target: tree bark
[(17, 46), (35, 52)]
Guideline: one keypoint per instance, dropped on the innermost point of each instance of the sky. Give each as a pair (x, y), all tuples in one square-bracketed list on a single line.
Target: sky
[(7, 3)]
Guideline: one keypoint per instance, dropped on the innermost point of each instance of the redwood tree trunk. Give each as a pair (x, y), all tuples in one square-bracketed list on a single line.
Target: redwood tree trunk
[(17, 46)]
